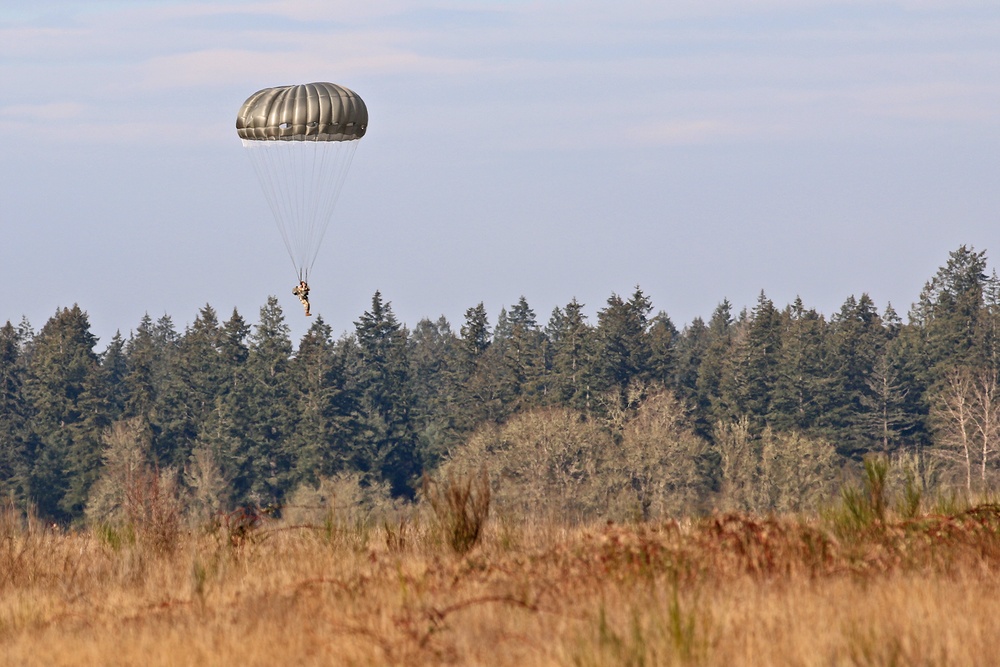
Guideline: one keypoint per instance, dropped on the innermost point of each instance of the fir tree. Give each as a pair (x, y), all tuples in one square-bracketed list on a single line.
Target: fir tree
[(623, 351), (436, 369), (15, 417), (524, 358), (570, 353), (197, 376), (751, 373), (68, 416), (802, 381), (263, 412), (663, 337), (325, 438), (718, 348), (949, 312), (114, 369), (386, 399), (857, 340), (689, 351), (481, 393)]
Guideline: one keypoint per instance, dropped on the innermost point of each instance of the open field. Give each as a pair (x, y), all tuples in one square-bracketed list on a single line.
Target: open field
[(726, 589)]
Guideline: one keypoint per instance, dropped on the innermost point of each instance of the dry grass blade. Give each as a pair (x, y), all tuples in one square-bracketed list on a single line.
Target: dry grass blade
[(461, 507), (21, 546)]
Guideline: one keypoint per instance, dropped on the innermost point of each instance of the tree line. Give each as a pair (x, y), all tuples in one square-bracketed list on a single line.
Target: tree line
[(239, 413)]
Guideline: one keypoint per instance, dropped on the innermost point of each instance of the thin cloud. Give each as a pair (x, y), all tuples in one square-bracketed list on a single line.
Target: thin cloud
[(684, 132), (42, 113)]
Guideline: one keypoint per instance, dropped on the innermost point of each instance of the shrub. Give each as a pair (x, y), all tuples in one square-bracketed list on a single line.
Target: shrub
[(461, 507), (133, 499)]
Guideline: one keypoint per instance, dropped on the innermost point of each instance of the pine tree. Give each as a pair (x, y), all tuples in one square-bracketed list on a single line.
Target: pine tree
[(481, 393), (689, 351), (234, 342), (718, 349), (194, 380), (437, 372), (114, 369), (15, 417), (264, 413), (570, 353), (750, 375), (663, 337), (802, 383), (524, 359), (475, 332), (386, 398), (950, 312), (172, 408), (623, 351), (217, 450), (141, 379), (68, 416), (151, 357), (857, 340), (325, 438)]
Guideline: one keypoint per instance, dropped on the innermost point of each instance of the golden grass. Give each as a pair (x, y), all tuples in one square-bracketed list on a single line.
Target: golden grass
[(725, 590)]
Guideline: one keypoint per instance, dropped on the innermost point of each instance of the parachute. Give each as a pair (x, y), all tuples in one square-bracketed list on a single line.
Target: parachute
[(301, 140)]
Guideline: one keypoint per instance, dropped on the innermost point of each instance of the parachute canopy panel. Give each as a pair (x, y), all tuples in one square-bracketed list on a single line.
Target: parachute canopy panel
[(305, 112)]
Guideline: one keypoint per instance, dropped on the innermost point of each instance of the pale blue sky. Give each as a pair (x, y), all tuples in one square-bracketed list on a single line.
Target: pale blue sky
[(702, 149)]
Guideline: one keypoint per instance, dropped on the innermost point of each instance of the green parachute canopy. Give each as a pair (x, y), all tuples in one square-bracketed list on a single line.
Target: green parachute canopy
[(301, 140), (309, 111)]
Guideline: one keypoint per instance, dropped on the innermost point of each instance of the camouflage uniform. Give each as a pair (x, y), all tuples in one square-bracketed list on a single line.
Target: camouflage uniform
[(302, 291)]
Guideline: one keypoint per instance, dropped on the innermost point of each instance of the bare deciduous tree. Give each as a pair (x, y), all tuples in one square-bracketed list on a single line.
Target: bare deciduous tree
[(773, 471), (966, 420), (556, 463)]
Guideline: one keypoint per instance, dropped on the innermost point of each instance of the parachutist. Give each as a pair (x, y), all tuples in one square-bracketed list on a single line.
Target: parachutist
[(302, 291)]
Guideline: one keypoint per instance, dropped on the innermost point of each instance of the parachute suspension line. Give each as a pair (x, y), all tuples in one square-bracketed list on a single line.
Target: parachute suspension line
[(295, 194), (268, 172), (301, 141), (302, 181), (330, 174)]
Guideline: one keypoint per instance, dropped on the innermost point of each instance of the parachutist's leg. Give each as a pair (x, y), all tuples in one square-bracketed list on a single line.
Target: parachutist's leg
[(305, 302)]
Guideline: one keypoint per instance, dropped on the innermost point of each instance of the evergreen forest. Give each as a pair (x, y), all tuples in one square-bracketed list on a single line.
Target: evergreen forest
[(771, 408)]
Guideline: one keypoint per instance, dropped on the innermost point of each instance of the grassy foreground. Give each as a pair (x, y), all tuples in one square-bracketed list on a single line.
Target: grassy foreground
[(722, 590)]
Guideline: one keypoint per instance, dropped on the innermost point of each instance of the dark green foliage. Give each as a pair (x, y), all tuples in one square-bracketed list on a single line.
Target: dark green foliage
[(382, 377), (857, 340), (481, 379), (437, 370), (865, 505), (663, 337), (264, 413), (717, 343), (15, 415), (67, 414), (800, 398), (623, 345), (951, 310), (475, 332), (523, 358), (750, 373), (325, 435), (570, 351)]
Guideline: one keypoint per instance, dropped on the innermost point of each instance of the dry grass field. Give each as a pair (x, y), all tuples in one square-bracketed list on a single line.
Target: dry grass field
[(720, 590)]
